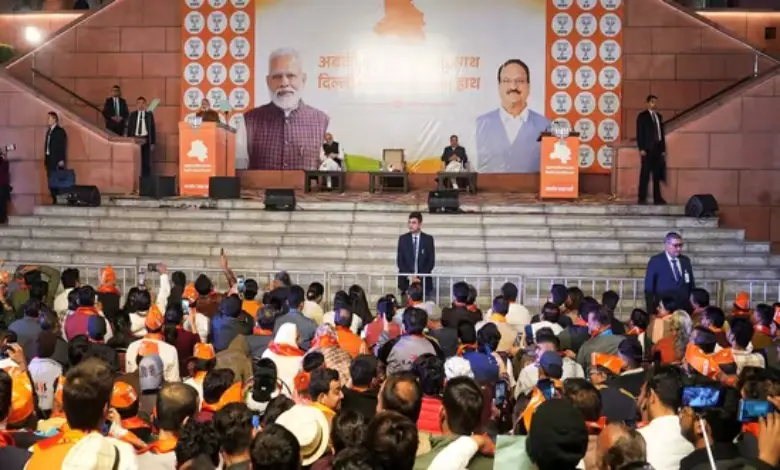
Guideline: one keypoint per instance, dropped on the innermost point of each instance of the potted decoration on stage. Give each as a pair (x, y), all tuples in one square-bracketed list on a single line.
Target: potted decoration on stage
[(7, 52)]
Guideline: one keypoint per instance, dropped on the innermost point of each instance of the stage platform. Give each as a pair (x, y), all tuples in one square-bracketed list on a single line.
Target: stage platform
[(345, 239), (505, 202), (502, 183)]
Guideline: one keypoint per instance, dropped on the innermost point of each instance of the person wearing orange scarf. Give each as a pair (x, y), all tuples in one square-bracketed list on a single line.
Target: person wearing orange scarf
[(714, 319), (78, 322), (741, 307), (176, 404), (325, 391), (10, 455), (286, 354), (203, 360), (548, 386), (763, 317), (153, 325), (326, 341), (348, 340), (86, 399)]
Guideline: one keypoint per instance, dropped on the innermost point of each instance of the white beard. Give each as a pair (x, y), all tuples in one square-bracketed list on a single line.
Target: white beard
[(286, 102)]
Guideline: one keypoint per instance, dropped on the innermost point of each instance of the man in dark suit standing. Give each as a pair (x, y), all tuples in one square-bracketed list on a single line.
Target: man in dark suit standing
[(56, 149), (141, 124), (115, 111), (651, 140), (416, 255), (669, 274)]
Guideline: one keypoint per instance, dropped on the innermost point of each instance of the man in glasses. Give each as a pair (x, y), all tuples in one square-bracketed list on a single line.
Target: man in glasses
[(507, 137), (669, 274)]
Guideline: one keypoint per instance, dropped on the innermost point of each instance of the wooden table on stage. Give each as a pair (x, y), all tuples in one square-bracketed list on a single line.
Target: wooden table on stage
[(336, 177), (470, 177), (386, 176)]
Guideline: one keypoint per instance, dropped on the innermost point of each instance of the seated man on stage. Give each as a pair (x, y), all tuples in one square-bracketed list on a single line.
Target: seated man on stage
[(331, 156), (454, 158)]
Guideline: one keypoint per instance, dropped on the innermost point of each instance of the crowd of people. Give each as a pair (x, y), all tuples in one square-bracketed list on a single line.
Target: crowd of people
[(263, 377)]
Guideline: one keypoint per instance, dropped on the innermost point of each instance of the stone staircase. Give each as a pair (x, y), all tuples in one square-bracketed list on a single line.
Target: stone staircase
[(594, 246)]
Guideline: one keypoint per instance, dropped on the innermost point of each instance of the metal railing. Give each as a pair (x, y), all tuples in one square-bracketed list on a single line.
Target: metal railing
[(533, 290), (68, 91)]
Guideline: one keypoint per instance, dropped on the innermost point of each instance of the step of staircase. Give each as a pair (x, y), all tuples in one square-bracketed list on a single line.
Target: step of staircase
[(595, 246)]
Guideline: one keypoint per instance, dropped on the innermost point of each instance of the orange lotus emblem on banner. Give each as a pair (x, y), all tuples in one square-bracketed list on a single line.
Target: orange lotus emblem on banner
[(402, 19)]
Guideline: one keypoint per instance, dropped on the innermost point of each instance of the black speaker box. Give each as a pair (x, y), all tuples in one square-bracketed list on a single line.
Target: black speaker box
[(279, 200), (701, 205), (158, 187), (447, 200), (87, 196), (224, 187)]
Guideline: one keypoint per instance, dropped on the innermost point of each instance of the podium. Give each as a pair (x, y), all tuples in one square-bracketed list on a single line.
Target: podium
[(559, 172), (203, 153)]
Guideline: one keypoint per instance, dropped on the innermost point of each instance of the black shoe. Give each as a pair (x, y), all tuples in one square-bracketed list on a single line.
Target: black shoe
[(642, 202), (659, 202)]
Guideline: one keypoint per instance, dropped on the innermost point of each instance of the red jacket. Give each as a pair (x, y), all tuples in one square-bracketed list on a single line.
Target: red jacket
[(429, 415)]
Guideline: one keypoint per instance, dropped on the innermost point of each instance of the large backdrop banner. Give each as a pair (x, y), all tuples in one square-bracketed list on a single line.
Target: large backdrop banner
[(409, 74)]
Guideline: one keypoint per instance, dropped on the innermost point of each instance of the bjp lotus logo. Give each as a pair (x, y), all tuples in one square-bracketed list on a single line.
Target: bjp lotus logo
[(561, 152), (198, 151)]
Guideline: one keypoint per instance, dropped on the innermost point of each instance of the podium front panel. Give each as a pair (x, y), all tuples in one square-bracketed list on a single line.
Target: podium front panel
[(559, 173)]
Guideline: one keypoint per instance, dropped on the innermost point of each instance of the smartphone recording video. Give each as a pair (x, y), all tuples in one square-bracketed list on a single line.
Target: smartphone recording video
[(751, 410), (700, 396)]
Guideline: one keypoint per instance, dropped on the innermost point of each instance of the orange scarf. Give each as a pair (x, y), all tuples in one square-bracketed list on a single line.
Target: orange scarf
[(471, 308), (498, 318), (537, 398), (161, 446), (200, 376), (325, 410), (580, 322), (7, 439), (635, 331), (285, 350), (595, 427), (324, 341), (134, 422), (108, 289), (86, 311), (751, 428), (463, 348), (155, 336), (257, 331), (763, 329)]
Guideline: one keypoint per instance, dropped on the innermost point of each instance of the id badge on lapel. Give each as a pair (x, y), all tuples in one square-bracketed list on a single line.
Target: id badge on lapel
[(687, 277)]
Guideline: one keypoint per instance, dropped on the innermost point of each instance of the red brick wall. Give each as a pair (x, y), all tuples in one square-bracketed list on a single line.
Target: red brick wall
[(12, 26), (133, 43), (731, 151), (112, 164), (678, 57)]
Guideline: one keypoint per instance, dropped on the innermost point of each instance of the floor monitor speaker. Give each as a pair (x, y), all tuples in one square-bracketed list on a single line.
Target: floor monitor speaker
[(279, 200), (701, 205), (158, 187), (446, 200), (224, 187)]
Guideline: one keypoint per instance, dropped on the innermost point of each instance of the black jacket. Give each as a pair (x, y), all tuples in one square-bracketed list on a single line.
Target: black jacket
[(647, 133), (448, 340), (726, 457), (362, 402), (151, 129), (451, 316), (459, 151), (426, 258), (109, 112), (57, 140)]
